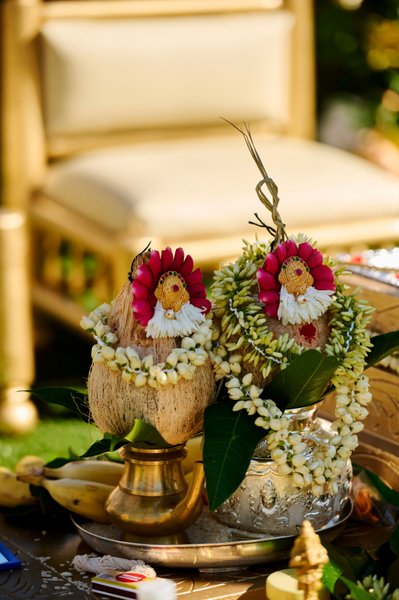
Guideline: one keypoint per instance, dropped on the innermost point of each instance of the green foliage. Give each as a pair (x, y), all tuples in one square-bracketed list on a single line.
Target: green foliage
[(143, 433), (74, 399), (357, 591), (383, 345), (230, 438), (303, 382), (229, 443)]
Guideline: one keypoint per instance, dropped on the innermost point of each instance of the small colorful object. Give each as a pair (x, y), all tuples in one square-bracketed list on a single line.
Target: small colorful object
[(128, 584), (169, 297), (294, 284)]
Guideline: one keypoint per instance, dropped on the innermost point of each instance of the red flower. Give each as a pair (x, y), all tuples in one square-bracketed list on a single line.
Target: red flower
[(306, 264), (150, 275)]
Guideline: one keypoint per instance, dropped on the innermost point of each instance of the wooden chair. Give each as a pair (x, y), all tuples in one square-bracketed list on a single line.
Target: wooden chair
[(112, 137)]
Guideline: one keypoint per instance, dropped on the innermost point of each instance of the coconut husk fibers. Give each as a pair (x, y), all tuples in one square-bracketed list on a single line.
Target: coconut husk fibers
[(176, 411)]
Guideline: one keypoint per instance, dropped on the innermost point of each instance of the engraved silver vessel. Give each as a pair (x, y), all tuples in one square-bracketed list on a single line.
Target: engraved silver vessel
[(267, 502)]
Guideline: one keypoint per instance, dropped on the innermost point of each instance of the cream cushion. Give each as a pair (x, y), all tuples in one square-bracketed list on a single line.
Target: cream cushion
[(108, 75), (204, 188)]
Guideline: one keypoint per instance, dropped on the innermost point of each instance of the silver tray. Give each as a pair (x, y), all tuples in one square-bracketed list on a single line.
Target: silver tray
[(208, 556)]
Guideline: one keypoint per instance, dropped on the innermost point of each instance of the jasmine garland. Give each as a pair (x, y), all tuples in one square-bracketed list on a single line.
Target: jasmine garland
[(247, 352)]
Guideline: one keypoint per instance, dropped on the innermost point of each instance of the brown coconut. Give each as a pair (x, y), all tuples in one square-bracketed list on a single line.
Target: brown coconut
[(321, 325), (176, 411)]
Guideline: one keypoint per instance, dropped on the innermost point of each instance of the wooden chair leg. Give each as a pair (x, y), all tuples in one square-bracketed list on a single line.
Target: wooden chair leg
[(17, 412)]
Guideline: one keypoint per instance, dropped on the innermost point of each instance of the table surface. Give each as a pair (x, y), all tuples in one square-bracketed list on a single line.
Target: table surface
[(46, 573)]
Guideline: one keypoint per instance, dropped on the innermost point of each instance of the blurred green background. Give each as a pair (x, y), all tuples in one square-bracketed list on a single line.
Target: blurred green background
[(357, 72)]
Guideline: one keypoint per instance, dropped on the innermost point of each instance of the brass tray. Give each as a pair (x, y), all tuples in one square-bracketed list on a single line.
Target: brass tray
[(208, 556)]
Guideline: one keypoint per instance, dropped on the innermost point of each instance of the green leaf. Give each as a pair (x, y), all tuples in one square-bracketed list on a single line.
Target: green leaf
[(108, 443), (383, 345), (331, 574), (387, 493), (303, 382), (143, 432), (352, 562), (356, 591), (75, 399), (229, 443)]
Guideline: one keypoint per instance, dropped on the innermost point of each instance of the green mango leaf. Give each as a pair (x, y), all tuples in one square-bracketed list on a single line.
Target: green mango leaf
[(144, 433), (106, 448), (303, 382), (352, 562), (229, 443), (331, 574), (75, 399), (109, 443), (388, 494), (383, 345), (356, 591)]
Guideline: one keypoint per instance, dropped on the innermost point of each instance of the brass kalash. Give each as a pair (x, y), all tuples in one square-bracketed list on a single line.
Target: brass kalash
[(153, 500)]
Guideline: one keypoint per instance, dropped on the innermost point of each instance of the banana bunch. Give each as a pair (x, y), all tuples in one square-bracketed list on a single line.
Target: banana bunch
[(82, 497), (82, 487), (100, 471), (13, 493)]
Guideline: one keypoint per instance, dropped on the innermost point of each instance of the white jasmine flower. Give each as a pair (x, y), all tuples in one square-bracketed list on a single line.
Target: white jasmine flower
[(120, 356), (135, 362), (187, 343), (148, 361), (172, 376), (254, 392), (225, 367), (126, 376), (247, 379), (298, 460), (110, 338), (86, 323), (140, 380), (108, 353), (298, 480), (99, 329), (284, 469)]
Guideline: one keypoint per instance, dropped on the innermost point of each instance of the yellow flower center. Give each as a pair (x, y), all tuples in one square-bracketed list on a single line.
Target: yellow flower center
[(295, 276), (171, 291)]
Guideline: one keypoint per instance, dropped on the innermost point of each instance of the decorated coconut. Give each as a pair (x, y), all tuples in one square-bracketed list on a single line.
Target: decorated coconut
[(150, 359), (288, 331)]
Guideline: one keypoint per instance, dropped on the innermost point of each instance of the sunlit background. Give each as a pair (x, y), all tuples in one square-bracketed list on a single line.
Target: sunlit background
[(357, 94), (357, 53)]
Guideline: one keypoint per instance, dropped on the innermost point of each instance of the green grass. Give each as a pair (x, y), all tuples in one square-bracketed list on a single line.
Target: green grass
[(52, 438)]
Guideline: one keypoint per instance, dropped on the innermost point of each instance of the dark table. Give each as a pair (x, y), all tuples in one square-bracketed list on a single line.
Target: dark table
[(46, 572)]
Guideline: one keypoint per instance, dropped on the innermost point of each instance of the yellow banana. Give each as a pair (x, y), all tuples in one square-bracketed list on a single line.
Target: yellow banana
[(29, 464), (101, 471), (13, 492), (194, 453), (85, 498)]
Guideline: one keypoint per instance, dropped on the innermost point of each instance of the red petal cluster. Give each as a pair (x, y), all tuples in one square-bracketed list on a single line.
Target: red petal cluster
[(148, 275), (267, 275)]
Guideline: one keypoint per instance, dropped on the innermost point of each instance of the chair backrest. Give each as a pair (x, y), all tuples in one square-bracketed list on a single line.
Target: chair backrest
[(78, 74)]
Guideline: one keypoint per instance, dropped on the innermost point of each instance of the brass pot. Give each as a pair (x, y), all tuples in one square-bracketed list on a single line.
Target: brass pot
[(153, 500)]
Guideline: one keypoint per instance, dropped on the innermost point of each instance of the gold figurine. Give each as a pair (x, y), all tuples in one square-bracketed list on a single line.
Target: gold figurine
[(308, 556)]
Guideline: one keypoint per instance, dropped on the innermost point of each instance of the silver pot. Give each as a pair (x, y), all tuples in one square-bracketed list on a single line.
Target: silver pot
[(267, 502)]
